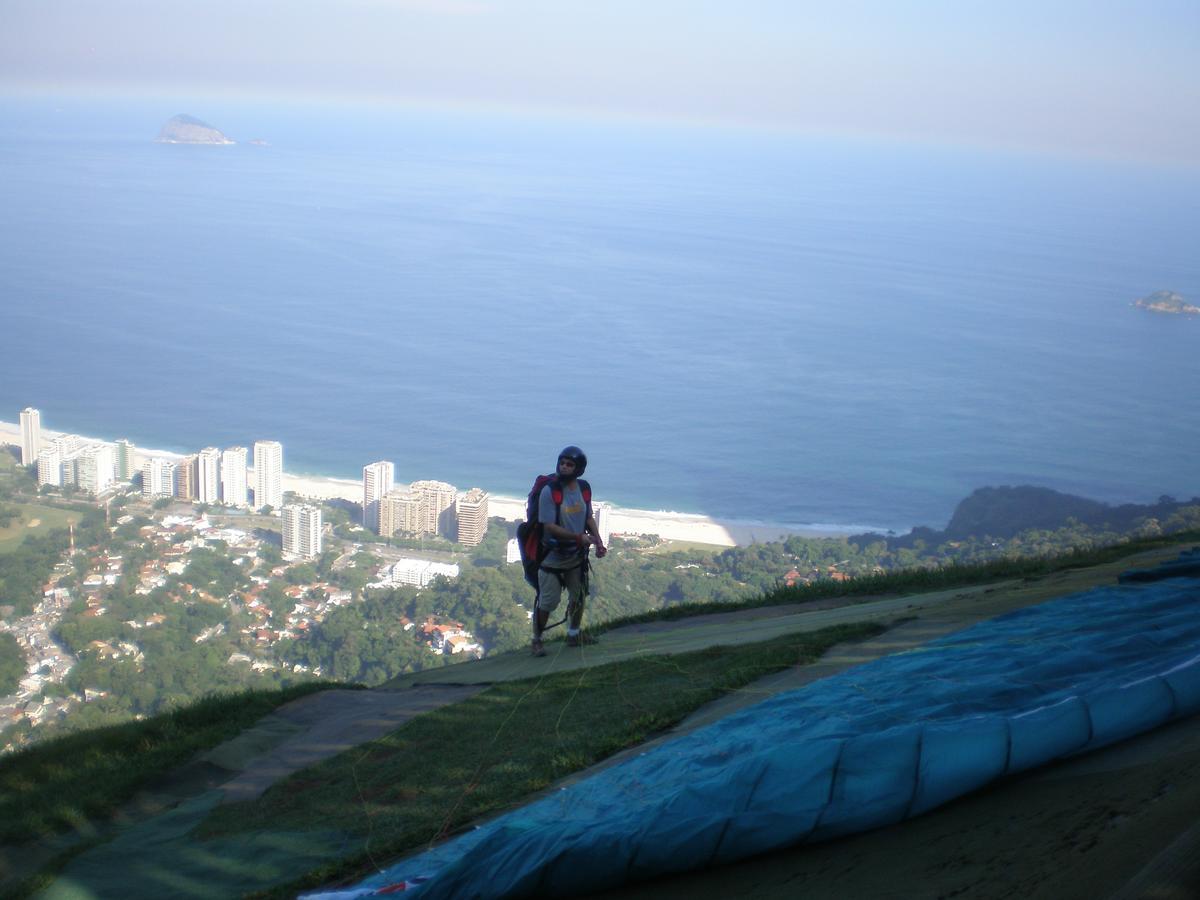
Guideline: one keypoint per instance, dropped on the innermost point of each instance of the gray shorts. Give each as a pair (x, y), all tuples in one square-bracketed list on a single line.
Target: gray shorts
[(550, 588)]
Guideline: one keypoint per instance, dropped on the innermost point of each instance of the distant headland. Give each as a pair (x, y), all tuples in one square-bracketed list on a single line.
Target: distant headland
[(1167, 302), (183, 129)]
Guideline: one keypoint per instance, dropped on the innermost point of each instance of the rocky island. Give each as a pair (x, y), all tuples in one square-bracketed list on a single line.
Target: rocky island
[(183, 129), (1167, 302)]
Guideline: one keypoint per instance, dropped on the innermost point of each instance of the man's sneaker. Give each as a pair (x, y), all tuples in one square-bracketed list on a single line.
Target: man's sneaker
[(536, 648), (576, 640)]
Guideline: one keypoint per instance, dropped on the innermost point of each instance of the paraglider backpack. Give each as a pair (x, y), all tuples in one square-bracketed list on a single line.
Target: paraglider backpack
[(529, 532)]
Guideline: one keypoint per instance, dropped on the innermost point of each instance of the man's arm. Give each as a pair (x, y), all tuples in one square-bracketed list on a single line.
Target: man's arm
[(593, 533)]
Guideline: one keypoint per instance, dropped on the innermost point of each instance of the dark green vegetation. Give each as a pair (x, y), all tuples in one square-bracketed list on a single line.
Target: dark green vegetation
[(12, 664), (61, 784), (1039, 514), (442, 770), (925, 579), (26, 564)]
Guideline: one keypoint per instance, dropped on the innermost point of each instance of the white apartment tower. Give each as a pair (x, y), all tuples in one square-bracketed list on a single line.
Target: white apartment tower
[(49, 467), (233, 476), (378, 479), (69, 446), (302, 530), (437, 505), (158, 477), (471, 510), (94, 468), (268, 474), (208, 481), (31, 436), (600, 512)]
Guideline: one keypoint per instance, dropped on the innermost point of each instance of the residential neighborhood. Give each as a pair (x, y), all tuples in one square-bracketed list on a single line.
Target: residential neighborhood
[(110, 610)]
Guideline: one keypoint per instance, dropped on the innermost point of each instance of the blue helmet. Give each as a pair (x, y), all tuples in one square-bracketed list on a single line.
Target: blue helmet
[(576, 456)]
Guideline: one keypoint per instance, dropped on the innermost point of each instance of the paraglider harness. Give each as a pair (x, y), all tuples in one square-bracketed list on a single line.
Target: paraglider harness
[(534, 546)]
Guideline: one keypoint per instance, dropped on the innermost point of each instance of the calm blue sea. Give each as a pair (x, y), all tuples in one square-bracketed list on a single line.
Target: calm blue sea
[(745, 324)]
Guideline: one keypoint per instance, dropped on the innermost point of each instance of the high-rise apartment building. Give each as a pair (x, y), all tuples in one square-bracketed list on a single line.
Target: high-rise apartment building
[(400, 513), (31, 436), (233, 476), (69, 447), (471, 511), (49, 467), (68, 444), (302, 530), (158, 477), (208, 482), (125, 463), (600, 512), (437, 506), (378, 479), (268, 474), (187, 477), (94, 468)]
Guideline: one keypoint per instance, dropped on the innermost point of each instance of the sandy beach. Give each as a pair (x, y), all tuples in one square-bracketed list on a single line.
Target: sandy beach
[(671, 526)]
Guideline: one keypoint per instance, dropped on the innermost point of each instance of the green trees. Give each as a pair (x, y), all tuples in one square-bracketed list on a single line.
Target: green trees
[(365, 643), (12, 664), (214, 572), (25, 568)]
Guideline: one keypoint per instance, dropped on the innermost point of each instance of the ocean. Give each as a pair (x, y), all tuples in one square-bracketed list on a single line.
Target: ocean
[(747, 324)]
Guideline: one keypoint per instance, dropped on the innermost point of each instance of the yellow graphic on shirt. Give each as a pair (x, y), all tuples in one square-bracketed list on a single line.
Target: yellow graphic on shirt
[(572, 509)]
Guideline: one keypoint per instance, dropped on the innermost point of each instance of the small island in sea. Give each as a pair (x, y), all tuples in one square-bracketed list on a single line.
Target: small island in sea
[(183, 129), (1167, 302)]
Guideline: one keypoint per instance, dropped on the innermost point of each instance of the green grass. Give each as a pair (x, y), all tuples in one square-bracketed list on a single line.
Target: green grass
[(47, 517), (70, 783), (445, 769), (914, 581)]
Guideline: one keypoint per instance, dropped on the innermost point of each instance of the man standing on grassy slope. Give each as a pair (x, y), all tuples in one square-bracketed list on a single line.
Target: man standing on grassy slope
[(568, 533)]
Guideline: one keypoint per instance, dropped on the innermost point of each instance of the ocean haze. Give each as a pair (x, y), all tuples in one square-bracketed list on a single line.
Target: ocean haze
[(795, 330)]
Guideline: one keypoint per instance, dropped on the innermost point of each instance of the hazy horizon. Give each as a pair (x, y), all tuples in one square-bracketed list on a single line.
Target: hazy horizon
[(1102, 79)]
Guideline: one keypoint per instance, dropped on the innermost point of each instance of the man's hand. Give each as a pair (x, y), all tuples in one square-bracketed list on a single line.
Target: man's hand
[(601, 550)]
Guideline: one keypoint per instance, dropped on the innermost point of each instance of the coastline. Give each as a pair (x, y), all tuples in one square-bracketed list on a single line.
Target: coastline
[(668, 525)]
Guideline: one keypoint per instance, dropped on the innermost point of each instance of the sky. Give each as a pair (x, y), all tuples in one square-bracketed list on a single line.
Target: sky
[(1110, 78)]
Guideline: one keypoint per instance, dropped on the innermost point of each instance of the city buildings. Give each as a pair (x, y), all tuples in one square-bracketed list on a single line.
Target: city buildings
[(600, 512), (208, 484), (268, 474), (233, 476), (31, 436), (417, 572), (471, 510), (437, 506), (400, 513), (302, 530), (125, 463), (68, 444), (378, 479), (69, 460), (187, 477), (158, 477), (49, 467), (94, 468)]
